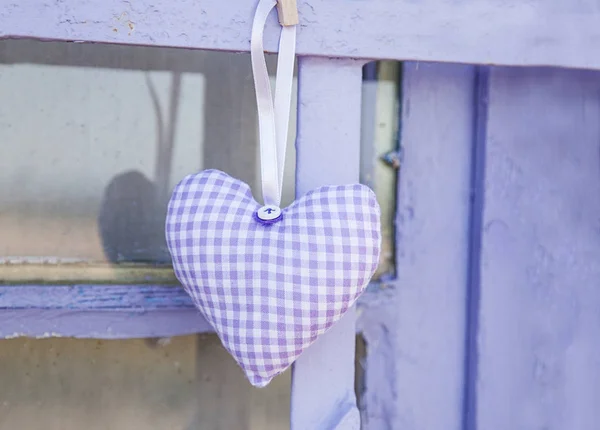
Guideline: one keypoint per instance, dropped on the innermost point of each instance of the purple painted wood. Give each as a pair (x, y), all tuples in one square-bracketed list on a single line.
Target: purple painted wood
[(498, 337), (510, 32), (328, 148), (97, 311), (98, 324), (376, 321), (415, 332), (95, 297), (539, 327)]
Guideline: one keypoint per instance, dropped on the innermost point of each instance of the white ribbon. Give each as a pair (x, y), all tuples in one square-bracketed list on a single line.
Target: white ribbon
[(273, 119)]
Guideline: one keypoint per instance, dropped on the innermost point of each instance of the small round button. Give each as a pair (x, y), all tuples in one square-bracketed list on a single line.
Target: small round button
[(268, 213)]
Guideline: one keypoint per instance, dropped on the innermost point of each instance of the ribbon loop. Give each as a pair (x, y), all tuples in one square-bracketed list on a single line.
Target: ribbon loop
[(273, 117)]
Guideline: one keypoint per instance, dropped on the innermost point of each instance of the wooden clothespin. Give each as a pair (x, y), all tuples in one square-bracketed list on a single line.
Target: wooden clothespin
[(288, 12)]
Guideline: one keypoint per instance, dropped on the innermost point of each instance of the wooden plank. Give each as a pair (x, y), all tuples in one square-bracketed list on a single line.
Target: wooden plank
[(99, 324), (287, 11), (539, 348), (378, 391), (416, 349), (115, 298), (328, 150), (508, 32), (97, 311)]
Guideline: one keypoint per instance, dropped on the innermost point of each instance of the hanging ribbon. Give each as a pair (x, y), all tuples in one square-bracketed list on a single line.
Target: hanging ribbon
[(273, 118)]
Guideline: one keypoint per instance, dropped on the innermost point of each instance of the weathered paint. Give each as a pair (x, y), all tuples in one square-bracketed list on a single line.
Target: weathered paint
[(376, 321), (532, 301), (98, 324), (328, 151), (115, 298), (432, 245), (493, 319), (97, 311), (508, 32), (414, 326), (539, 317)]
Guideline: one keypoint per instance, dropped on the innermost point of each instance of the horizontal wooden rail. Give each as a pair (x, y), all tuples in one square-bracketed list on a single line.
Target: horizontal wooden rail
[(97, 311), (128, 298), (106, 311), (507, 32)]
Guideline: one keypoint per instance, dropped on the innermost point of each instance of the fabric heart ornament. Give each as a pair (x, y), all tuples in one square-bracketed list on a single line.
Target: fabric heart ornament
[(270, 281), (270, 288)]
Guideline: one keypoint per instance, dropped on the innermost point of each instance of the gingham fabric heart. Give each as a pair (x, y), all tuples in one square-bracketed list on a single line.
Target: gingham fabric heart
[(269, 290)]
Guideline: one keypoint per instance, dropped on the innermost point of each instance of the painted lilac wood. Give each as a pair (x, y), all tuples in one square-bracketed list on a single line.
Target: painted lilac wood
[(509, 32), (97, 311), (376, 321), (539, 319), (425, 349), (328, 151), (414, 326)]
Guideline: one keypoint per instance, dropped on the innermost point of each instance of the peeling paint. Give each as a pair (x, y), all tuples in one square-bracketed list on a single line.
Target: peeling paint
[(477, 32)]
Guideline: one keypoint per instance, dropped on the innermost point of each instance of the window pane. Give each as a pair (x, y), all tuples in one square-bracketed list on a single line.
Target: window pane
[(94, 137), (184, 383)]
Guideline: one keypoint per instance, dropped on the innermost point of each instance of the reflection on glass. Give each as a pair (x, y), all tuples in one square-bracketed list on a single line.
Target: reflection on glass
[(94, 137)]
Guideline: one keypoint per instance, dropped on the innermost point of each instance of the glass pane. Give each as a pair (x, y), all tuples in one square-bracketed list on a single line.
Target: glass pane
[(94, 137), (380, 152), (182, 383)]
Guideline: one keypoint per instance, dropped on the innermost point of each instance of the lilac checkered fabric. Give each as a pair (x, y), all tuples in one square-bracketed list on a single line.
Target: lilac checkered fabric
[(270, 290)]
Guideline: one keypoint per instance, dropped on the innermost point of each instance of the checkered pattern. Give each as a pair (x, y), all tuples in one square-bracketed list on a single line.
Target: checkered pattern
[(270, 290)]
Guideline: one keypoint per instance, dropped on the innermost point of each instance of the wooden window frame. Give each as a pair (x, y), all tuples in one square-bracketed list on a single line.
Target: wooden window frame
[(335, 39)]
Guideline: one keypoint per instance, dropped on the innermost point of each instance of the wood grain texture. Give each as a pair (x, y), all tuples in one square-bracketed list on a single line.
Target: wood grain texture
[(539, 349), (376, 321), (287, 11), (426, 349), (507, 32), (95, 297), (97, 311), (327, 151)]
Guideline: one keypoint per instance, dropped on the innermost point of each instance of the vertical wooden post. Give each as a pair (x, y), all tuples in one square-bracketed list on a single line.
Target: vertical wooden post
[(416, 340), (539, 324), (328, 148)]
